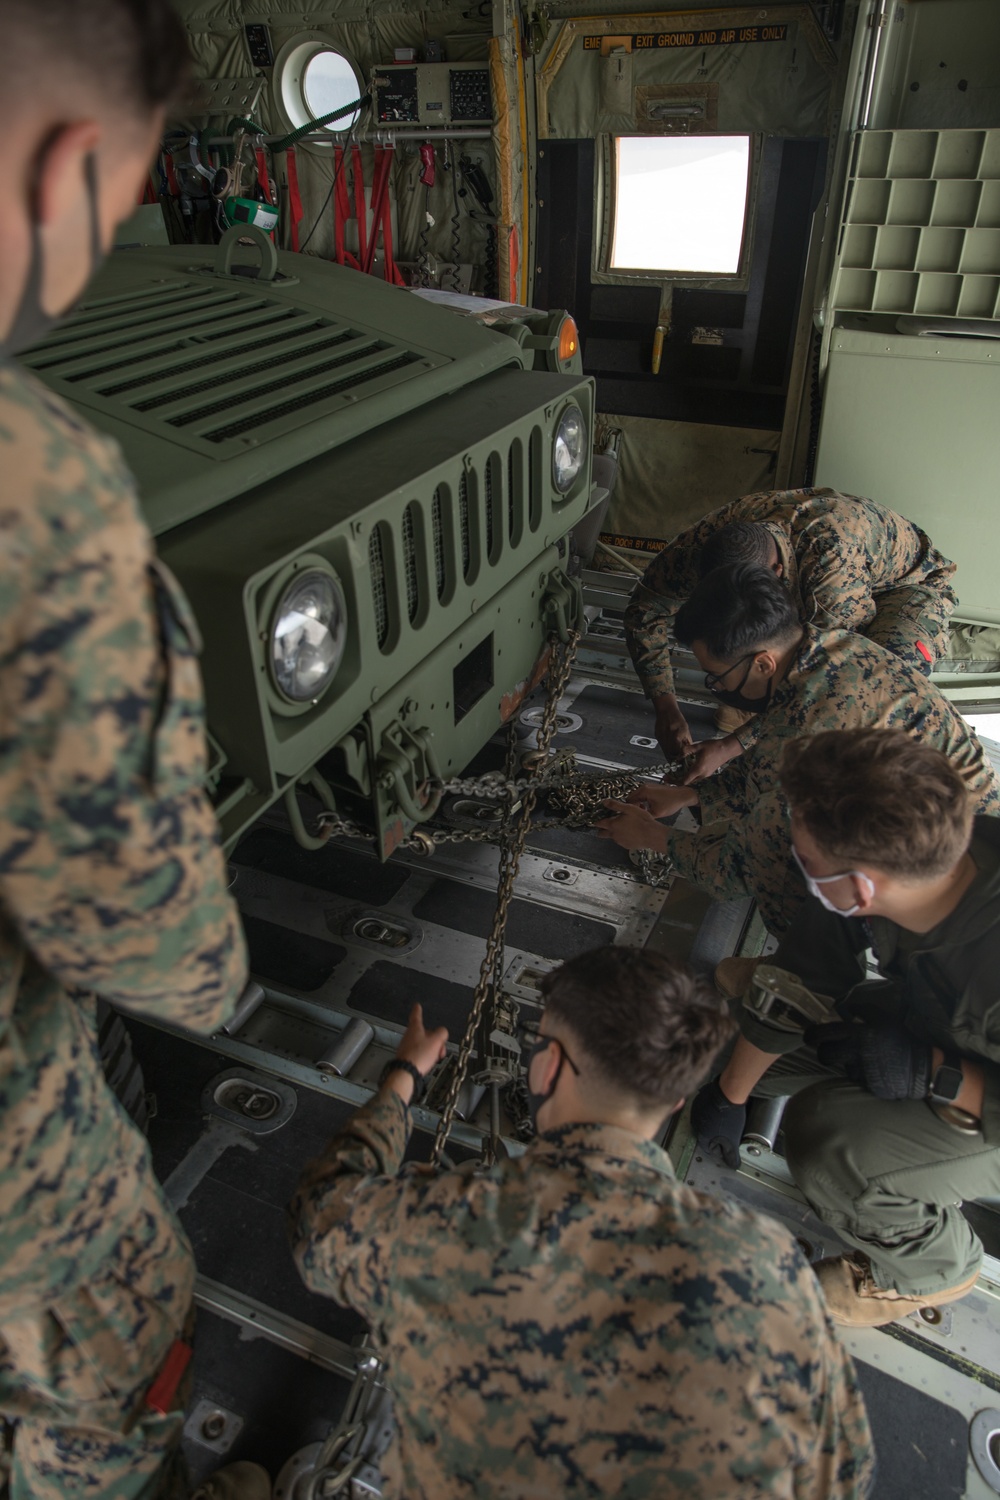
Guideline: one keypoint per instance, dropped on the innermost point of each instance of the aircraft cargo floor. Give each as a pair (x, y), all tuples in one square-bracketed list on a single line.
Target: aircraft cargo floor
[(336, 936)]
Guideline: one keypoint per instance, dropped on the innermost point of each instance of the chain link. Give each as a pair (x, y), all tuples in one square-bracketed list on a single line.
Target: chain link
[(512, 844), (577, 794)]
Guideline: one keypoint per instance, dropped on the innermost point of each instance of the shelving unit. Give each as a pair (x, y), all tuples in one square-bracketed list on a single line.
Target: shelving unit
[(922, 226)]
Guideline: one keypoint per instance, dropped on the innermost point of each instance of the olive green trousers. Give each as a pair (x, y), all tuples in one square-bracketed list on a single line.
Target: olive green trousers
[(887, 1175)]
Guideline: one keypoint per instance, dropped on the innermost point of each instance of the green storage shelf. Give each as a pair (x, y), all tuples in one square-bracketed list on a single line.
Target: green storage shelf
[(922, 231)]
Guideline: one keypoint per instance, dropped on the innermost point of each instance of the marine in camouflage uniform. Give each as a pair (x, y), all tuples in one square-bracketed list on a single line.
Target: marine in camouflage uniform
[(112, 883), (849, 564), (578, 1322), (836, 681)]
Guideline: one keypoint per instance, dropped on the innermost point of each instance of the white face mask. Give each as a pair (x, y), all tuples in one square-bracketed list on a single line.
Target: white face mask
[(813, 883)]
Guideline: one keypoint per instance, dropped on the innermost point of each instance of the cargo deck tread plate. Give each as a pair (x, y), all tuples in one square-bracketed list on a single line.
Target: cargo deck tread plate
[(354, 875), (388, 992), (235, 1217), (284, 1401), (611, 717), (535, 928), (290, 958)]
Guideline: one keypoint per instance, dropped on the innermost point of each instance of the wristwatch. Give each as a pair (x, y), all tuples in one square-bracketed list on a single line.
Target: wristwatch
[(407, 1067), (946, 1083)]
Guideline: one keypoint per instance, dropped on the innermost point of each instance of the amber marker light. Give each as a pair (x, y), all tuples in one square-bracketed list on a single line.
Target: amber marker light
[(569, 339)]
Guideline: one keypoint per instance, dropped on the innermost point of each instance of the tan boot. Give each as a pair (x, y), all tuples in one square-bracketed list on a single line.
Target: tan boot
[(240, 1481), (854, 1300), (733, 976), (730, 719)]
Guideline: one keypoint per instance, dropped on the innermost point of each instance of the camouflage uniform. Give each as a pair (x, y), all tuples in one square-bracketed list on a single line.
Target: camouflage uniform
[(849, 563), (111, 882), (836, 681), (577, 1322)]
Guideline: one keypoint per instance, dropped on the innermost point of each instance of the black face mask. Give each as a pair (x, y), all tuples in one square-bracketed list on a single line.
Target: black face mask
[(31, 321), (536, 1100), (735, 697)]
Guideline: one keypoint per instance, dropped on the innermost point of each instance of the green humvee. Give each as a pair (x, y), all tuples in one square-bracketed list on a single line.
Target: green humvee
[(366, 498)]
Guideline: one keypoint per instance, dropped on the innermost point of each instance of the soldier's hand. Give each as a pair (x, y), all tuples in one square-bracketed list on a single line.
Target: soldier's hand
[(710, 756), (718, 1123), (673, 733), (421, 1047), (661, 798), (885, 1060), (632, 827)]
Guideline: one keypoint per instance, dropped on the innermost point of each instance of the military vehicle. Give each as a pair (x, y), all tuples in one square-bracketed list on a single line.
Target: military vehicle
[(777, 231)]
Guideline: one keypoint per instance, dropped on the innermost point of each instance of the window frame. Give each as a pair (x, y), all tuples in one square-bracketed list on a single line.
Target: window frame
[(606, 206), (288, 89)]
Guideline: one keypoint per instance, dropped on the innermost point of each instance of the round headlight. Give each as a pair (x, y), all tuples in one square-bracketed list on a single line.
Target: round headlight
[(308, 635), (569, 449)]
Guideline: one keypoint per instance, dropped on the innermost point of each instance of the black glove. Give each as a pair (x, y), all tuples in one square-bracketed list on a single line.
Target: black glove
[(885, 1060), (718, 1124)]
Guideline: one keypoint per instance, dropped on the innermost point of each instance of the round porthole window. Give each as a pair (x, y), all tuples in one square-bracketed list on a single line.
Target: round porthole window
[(312, 78)]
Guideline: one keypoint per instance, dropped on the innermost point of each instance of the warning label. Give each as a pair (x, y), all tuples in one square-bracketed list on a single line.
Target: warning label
[(720, 36)]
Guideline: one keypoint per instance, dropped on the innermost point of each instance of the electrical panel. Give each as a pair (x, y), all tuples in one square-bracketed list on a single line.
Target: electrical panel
[(432, 94), (259, 46)]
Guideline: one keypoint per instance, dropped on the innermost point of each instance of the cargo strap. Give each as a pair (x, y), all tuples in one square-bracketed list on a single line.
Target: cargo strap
[(380, 209), (360, 210), (382, 215), (341, 211), (295, 214)]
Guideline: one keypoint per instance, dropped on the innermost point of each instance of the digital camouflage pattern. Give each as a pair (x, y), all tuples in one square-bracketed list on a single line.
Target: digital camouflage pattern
[(837, 681), (850, 565), (75, 1375), (112, 881), (578, 1322)]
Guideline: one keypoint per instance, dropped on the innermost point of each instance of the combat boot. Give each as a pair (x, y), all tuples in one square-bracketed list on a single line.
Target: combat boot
[(855, 1301), (733, 976), (240, 1481)]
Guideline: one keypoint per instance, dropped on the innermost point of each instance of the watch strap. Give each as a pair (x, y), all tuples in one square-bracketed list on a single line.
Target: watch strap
[(407, 1067), (946, 1081)]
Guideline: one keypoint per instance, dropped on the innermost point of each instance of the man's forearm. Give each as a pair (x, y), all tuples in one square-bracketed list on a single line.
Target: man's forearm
[(745, 1068), (648, 623)]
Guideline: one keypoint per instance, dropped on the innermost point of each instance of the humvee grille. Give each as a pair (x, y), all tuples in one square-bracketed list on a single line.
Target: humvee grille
[(380, 593), (437, 527), (410, 563), (464, 525), (156, 354), (490, 517), (481, 506)]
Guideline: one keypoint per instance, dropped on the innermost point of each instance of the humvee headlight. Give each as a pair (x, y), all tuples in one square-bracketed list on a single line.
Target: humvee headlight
[(308, 635), (569, 449)]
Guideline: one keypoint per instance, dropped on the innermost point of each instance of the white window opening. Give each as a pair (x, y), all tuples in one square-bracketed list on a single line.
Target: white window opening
[(328, 83), (680, 204)]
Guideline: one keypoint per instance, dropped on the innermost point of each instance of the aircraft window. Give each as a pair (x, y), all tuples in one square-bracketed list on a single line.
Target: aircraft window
[(312, 79), (680, 204), (328, 83)]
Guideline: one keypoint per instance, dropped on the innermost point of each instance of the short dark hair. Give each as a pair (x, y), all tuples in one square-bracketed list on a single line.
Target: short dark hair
[(739, 542), (647, 1025), (879, 798), (133, 51), (737, 609)]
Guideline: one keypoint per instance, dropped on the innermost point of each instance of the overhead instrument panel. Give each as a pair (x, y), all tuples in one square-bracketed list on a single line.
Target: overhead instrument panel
[(422, 94)]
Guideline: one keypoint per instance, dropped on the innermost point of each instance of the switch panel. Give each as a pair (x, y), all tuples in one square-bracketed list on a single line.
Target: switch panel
[(432, 94)]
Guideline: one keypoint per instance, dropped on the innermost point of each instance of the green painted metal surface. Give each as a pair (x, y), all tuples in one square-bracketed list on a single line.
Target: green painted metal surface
[(329, 420)]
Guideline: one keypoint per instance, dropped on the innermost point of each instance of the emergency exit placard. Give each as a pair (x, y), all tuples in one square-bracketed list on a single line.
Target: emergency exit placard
[(718, 36)]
